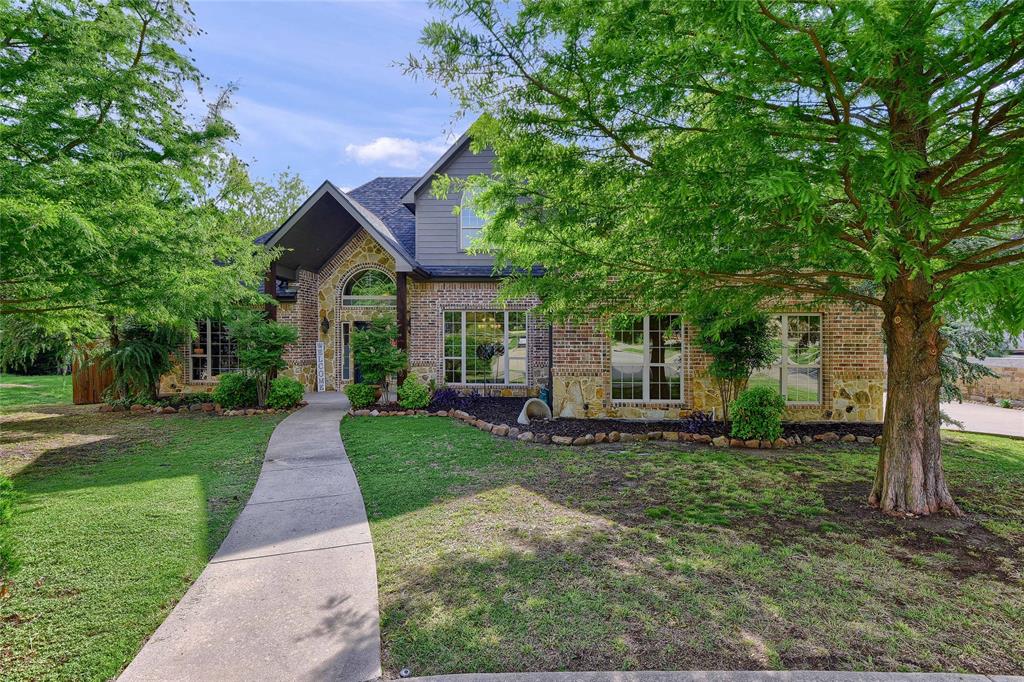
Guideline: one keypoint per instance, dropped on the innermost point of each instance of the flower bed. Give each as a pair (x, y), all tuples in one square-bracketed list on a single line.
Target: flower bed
[(203, 408), (498, 417)]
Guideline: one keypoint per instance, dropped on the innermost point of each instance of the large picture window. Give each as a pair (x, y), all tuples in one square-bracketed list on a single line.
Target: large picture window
[(212, 352), (647, 360), (484, 347), (797, 372)]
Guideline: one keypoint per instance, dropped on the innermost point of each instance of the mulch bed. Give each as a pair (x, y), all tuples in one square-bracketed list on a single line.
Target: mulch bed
[(506, 410)]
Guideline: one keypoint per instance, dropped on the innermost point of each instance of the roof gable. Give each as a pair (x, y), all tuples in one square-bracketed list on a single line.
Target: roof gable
[(409, 198), (383, 197)]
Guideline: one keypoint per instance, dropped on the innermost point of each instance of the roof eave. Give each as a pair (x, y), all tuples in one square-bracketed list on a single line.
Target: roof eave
[(409, 198)]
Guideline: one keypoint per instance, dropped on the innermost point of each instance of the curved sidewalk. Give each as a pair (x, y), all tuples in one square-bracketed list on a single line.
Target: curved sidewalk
[(292, 592)]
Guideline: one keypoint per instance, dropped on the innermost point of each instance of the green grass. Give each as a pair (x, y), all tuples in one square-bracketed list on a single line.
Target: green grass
[(496, 556), (117, 516), (17, 390)]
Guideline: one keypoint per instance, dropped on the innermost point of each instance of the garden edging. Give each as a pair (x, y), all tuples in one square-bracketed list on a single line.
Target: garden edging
[(522, 435)]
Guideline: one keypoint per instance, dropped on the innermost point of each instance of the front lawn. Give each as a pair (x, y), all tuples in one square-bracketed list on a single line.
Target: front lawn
[(497, 556), (17, 390), (117, 515)]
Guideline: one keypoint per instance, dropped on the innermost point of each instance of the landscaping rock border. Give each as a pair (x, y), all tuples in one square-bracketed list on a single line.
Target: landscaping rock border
[(525, 435)]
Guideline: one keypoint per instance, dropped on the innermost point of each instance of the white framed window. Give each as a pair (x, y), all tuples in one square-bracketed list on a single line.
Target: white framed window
[(470, 223), (212, 352), (369, 288), (796, 374), (485, 347), (647, 360)]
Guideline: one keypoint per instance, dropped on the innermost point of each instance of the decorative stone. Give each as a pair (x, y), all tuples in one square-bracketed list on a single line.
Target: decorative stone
[(513, 432), (827, 437), (251, 411), (654, 435), (640, 437), (362, 413), (600, 437), (807, 440), (561, 440), (780, 443), (614, 437), (766, 444), (849, 438), (721, 441), (878, 440), (459, 414), (542, 438), (866, 440), (627, 437), (525, 437), (207, 407), (375, 413), (138, 408), (587, 439), (752, 443), (182, 410), (533, 409), (686, 436), (736, 443), (671, 435), (194, 407), (705, 438), (168, 410), (441, 413), (500, 430)]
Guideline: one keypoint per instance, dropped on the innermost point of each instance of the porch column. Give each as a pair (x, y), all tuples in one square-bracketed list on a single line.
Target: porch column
[(270, 289), (402, 312)]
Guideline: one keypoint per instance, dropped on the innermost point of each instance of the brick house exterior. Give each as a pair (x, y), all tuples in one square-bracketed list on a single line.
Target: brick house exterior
[(445, 298)]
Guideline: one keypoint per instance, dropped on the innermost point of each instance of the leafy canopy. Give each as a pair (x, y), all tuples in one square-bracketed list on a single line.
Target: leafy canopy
[(113, 199), (675, 154)]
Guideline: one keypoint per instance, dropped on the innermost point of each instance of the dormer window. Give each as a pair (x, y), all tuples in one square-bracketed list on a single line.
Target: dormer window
[(470, 223)]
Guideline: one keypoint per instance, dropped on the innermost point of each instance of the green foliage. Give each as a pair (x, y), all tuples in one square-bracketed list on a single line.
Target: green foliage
[(235, 390), (8, 561), (361, 395), (966, 344), (139, 356), (413, 394), (757, 413), (113, 198), (737, 347), (1005, 403), (375, 352), (285, 393), (260, 345)]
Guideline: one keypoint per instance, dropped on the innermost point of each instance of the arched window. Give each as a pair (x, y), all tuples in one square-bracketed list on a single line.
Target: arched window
[(369, 288), (470, 223)]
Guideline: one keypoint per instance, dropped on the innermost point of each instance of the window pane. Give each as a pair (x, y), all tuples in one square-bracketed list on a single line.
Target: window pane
[(771, 376), (468, 235), (516, 347), (453, 371), (370, 283), (802, 384), (628, 362), (453, 334), (665, 344), (485, 349), (804, 339)]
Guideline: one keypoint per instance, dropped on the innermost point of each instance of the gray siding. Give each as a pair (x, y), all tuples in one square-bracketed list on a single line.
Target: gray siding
[(437, 230)]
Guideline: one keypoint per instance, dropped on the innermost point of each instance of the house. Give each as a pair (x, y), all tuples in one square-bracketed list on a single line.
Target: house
[(391, 246)]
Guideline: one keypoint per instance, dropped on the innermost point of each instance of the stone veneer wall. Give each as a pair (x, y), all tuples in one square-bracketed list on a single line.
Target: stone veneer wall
[(853, 373), (427, 303), (1008, 385)]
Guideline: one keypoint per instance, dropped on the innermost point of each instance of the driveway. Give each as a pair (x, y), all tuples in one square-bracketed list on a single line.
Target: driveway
[(986, 418), (292, 592)]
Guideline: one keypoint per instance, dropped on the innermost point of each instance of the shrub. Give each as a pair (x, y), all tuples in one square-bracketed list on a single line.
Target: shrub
[(285, 392), (1005, 402), (737, 346), (375, 352), (361, 395), (260, 347), (8, 562), (413, 394), (235, 390), (757, 413), (138, 356)]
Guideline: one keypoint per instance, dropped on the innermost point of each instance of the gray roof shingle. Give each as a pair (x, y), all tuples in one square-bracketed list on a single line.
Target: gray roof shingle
[(383, 197)]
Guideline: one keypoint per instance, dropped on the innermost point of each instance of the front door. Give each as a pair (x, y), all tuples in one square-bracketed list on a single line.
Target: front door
[(357, 375)]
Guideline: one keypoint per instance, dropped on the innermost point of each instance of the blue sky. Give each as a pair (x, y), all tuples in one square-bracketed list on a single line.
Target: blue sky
[(317, 88)]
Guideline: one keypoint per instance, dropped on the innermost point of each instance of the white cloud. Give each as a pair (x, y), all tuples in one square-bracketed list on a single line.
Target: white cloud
[(398, 152)]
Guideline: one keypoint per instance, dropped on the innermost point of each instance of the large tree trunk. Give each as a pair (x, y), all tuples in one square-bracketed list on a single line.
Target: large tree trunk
[(909, 478)]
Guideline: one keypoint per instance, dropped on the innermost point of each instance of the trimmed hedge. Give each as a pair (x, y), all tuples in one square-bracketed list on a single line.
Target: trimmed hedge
[(285, 393), (757, 413), (361, 395), (413, 394), (235, 390)]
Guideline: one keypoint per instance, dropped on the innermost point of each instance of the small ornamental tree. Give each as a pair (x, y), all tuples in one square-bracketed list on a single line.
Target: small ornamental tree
[(668, 153), (260, 345), (376, 354), (737, 347)]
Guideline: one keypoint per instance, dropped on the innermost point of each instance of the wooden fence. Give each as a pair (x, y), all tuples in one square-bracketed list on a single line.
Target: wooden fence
[(89, 380)]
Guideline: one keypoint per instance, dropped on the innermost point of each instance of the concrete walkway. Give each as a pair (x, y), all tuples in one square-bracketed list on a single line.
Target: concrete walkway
[(292, 592), (986, 418), (720, 676)]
